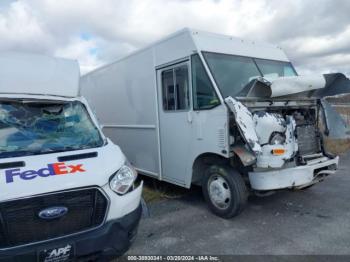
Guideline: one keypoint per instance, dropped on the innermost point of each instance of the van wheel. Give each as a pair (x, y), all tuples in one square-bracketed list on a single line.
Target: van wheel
[(224, 191)]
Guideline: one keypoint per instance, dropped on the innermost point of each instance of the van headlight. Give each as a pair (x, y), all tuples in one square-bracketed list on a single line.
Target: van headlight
[(123, 179), (277, 138)]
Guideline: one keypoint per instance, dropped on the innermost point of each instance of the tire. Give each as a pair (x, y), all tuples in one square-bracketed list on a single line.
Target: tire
[(224, 191)]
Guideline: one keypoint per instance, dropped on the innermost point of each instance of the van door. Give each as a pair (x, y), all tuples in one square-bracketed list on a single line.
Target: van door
[(174, 104)]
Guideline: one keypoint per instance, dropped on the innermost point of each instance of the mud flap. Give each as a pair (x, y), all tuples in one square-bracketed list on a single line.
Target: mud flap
[(334, 124), (245, 123)]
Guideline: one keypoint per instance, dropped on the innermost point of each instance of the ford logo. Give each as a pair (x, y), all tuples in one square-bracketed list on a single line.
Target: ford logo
[(53, 212)]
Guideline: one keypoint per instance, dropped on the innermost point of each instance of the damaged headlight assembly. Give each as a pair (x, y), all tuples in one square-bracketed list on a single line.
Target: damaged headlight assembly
[(123, 179), (277, 138)]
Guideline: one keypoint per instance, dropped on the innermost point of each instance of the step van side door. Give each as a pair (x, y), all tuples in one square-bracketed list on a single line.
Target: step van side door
[(174, 107)]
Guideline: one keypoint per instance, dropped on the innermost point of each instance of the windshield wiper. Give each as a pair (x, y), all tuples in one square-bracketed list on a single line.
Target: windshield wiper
[(12, 164), (68, 148), (42, 151), (18, 153)]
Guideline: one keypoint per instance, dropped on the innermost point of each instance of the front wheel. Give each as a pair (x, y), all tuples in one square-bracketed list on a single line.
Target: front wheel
[(224, 191)]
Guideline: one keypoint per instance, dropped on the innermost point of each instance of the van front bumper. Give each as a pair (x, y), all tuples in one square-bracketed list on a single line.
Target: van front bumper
[(297, 177), (112, 239)]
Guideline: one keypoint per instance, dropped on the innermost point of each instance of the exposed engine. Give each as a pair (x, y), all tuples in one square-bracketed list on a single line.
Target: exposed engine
[(278, 135), (285, 135), (276, 138)]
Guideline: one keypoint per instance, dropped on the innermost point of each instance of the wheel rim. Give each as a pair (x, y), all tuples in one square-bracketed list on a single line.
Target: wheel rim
[(219, 192)]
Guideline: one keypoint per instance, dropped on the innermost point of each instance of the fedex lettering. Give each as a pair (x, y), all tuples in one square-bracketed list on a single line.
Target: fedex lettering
[(50, 170)]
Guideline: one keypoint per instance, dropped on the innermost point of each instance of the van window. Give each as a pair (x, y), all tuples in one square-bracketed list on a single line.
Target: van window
[(168, 90), (204, 95), (175, 88), (274, 69), (231, 73)]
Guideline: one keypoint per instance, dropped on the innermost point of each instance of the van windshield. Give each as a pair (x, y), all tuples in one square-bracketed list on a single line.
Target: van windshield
[(32, 127), (232, 73)]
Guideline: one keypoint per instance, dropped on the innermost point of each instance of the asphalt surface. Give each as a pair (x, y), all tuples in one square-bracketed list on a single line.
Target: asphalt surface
[(315, 221)]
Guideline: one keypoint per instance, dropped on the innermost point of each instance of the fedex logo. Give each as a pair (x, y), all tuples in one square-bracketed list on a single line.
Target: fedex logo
[(50, 170)]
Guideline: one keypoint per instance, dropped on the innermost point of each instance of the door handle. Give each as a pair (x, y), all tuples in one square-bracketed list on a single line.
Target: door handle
[(189, 117)]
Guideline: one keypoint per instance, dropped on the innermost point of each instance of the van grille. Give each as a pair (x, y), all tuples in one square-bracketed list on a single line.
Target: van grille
[(308, 142), (20, 223)]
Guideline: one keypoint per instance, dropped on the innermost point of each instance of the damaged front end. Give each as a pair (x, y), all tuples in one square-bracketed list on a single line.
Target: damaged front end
[(279, 126)]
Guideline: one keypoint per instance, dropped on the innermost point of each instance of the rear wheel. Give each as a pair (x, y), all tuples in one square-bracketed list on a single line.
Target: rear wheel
[(224, 191)]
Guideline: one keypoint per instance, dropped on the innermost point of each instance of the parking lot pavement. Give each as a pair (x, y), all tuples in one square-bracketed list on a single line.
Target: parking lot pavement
[(315, 221)]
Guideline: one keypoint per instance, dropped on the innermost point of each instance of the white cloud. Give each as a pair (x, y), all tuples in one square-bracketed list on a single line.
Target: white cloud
[(83, 50), (314, 33), (20, 29)]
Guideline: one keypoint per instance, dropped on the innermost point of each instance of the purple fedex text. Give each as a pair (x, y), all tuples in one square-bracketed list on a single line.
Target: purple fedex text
[(50, 170)]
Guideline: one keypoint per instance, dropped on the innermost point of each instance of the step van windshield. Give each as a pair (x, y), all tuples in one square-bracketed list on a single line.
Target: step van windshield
[(232, 73)]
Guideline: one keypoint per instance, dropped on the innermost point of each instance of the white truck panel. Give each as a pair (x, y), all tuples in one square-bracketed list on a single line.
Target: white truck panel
[(23, 73), (176, 47), (224, 44), (296, 84), (124, 97)]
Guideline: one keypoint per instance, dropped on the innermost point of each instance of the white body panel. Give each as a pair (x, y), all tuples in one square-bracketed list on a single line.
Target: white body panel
[(291, 177), (24, 73), (224, 44), (292, 85), (244, 120), (94, 174)]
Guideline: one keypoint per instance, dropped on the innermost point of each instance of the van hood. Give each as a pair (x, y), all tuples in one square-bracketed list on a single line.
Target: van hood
[(45, 173), (313, 86)]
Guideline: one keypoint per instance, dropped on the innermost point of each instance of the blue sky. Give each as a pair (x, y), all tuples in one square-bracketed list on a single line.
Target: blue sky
[(315, 34)]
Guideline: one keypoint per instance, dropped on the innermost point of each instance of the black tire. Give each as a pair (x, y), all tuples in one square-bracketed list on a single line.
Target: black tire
[(223, 177)]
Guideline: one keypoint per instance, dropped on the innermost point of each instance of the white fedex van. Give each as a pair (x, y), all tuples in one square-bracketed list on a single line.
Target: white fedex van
[(66, 190)]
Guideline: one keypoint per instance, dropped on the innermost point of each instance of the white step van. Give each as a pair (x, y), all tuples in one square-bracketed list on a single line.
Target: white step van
[(228, 114), (67, 191)]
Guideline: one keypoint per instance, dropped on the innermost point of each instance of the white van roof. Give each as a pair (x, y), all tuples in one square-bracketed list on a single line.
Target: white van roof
[(226, 44), (24, 73), (187, 41)]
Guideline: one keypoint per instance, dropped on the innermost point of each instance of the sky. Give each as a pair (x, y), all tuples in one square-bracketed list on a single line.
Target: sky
[(315, 34)]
